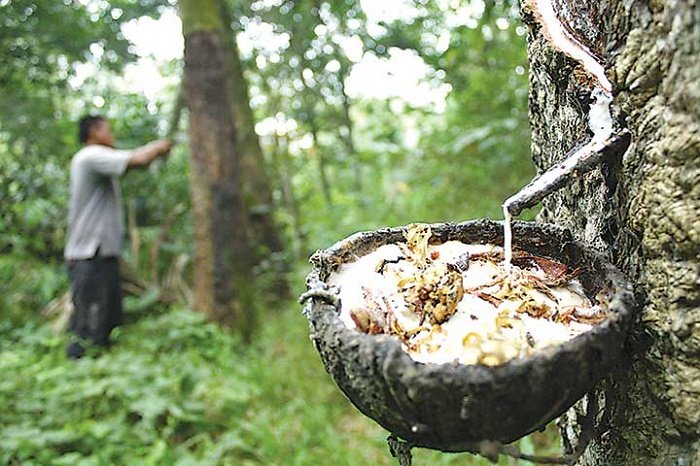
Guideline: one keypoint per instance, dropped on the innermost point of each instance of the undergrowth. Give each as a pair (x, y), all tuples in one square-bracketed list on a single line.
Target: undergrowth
[(176, 390)]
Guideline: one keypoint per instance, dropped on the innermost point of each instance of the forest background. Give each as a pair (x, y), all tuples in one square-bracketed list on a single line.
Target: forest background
[(367, 117)]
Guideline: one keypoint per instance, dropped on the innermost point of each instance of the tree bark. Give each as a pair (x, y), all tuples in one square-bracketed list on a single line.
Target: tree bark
[(642, 210), (223, 256), (348, 136), (256, 183)]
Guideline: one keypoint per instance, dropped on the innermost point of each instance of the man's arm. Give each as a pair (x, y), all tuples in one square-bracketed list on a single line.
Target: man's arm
[(144, 155)]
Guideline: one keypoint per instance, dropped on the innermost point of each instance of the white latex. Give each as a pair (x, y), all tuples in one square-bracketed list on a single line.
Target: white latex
[(473, 316)]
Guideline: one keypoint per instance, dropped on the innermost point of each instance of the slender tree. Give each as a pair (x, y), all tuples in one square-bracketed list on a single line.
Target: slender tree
[(223, 256), (256, 183), (348, 126), (640, 209)]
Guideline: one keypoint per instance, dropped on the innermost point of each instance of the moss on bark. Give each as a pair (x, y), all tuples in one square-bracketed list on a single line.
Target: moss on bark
[(200, 15)]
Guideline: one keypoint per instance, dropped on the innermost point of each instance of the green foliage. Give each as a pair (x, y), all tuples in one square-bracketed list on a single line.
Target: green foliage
[(175, 390), (27, 284), (165, 384), (485, 134), (467, 159), (41, 42)]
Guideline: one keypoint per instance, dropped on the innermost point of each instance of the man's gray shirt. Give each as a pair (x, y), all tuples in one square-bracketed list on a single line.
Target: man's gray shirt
[(95, 210)]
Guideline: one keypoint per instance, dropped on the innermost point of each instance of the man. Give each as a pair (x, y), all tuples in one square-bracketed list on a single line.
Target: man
[(95, 230)]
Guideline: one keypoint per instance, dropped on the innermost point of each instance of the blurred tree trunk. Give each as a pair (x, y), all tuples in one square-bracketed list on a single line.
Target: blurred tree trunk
[(308, 97), (641, 210), (281, 154), (318, 153), (256, 183), (348, 136), (223, 256)]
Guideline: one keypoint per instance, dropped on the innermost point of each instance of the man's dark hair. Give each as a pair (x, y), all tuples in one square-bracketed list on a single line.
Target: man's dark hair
[(85, 125)]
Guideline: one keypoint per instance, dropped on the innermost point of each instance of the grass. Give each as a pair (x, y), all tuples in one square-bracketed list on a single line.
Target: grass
[(176, 390)]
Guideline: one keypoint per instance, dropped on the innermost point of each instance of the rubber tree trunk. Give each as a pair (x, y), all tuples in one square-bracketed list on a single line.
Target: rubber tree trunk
[(257, 188), (223, 256), (641, 210)]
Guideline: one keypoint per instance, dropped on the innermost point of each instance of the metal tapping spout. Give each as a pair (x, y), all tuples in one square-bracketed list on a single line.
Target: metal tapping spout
[(579, 161)]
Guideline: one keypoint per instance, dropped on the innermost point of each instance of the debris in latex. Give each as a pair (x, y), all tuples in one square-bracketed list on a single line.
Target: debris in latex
[(455, 303)]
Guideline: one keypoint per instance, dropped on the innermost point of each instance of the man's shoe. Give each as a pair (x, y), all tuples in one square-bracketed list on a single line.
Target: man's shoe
[(75, 350)]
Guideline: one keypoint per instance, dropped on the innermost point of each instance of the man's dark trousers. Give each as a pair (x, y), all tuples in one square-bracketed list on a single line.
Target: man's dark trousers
[(97, 301)]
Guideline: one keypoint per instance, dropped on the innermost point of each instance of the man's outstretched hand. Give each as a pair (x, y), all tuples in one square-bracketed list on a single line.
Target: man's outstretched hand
[(165, 145), (144, 155)]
